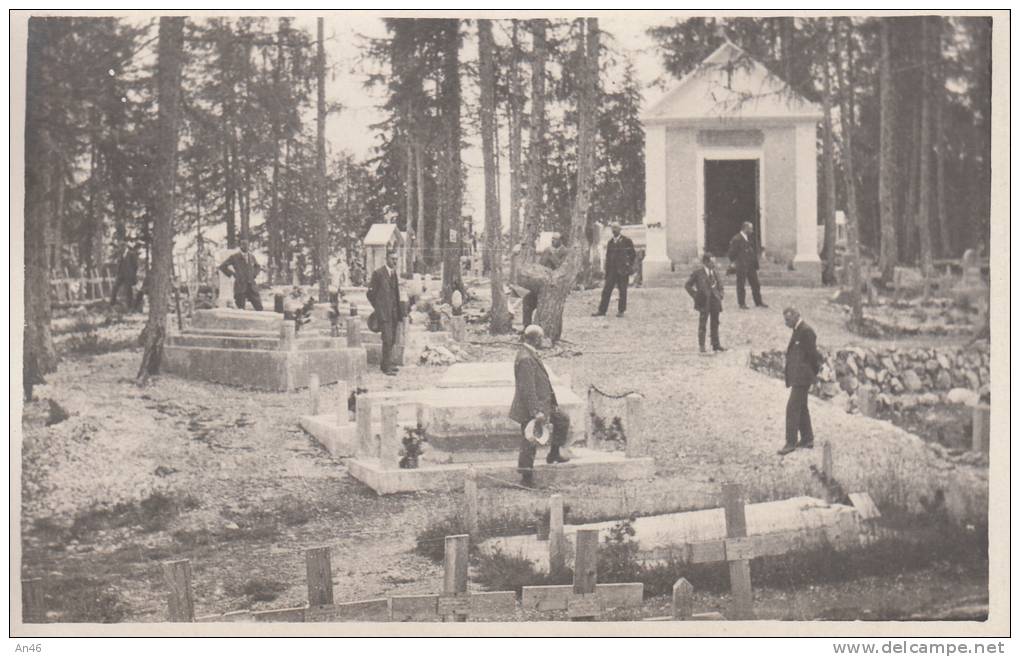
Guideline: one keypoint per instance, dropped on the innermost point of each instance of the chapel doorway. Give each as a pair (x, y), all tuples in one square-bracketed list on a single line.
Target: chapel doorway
[(731, 198)]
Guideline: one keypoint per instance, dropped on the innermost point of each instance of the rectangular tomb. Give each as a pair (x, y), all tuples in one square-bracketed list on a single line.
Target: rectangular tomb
[(258, 350), (466, 424)]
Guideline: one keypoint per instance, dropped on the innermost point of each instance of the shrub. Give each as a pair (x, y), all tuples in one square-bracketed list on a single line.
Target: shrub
[(497, 571), (431, 541)]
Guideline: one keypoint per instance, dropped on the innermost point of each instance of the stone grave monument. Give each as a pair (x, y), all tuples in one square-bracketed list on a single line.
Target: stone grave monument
[(464, 417), (258, 350)]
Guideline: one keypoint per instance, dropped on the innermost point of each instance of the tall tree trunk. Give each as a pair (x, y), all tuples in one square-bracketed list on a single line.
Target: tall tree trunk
[(909, 233), (273, 218), (939, 98), (93, 238), (452, 191), (39, 357), (515, 108), (924, 165), (828, 173), (887, 170), (853, 242), (322, 210), (499, 314), (536, 141), (439, 231), (549, 314), (168, 80), (228, 134), (419, 187)]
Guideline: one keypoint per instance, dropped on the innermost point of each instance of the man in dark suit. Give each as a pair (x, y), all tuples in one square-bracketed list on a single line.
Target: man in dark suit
[(619, 265), (127, 272), (551, 258), (534, 399), (802, 365), (706, 289), (243, 268), (384, 295), (743, 255)]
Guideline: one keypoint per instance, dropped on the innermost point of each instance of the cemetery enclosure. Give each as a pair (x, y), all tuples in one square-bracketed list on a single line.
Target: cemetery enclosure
[(248, 465)]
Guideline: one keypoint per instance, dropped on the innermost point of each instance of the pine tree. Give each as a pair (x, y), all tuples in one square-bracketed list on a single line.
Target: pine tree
[(170, 62)]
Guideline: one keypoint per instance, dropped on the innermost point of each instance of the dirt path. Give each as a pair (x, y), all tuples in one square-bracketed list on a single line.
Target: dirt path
[(241, 491)]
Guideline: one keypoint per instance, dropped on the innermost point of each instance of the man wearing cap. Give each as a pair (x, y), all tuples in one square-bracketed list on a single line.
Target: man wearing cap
[(618, 266), (534, 399), (243, 268), (551, 258), (743, 254), (127, 272), (384, 295)]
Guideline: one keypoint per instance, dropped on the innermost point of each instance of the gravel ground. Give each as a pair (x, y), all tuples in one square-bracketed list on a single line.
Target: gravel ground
[(257, 490)]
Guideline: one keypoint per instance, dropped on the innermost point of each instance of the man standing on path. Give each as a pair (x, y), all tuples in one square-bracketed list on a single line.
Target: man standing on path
[(802, 365), (243, 268), (534, 399), (618, 266), (127, 272), (384, 295), (743, 255), (706, 289), (551, 259)]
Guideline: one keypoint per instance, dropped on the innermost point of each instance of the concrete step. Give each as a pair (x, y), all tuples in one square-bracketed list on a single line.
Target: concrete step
[(586, 466)]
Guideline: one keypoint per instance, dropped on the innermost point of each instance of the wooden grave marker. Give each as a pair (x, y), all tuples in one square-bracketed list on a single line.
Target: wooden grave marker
[(585, 599)]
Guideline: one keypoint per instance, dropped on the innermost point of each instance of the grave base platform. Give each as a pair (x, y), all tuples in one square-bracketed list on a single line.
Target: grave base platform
[(264, 369), (587, 466)]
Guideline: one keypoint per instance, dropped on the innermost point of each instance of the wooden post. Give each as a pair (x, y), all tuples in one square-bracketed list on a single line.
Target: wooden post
[(353, 331), (181, 604), (586, 553), (740, 570), (33, 608), (389, 445), (343, 417), (557, 540), (319, 573), (313, 392), (827, 461), (586, 561), (288, 336), (634, 426), (471, 501), (363, 417), (683, 603), (455, 571), (981, 437)]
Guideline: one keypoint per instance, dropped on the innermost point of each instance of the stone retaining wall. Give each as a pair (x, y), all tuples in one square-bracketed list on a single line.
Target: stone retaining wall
[(899, 376)]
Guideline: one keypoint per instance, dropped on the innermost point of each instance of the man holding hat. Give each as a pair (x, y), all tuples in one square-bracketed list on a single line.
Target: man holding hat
[(618, 266), (534, 407)]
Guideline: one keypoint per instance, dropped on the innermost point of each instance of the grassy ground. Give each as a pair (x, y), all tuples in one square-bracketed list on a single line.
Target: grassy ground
[(224, 477)]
